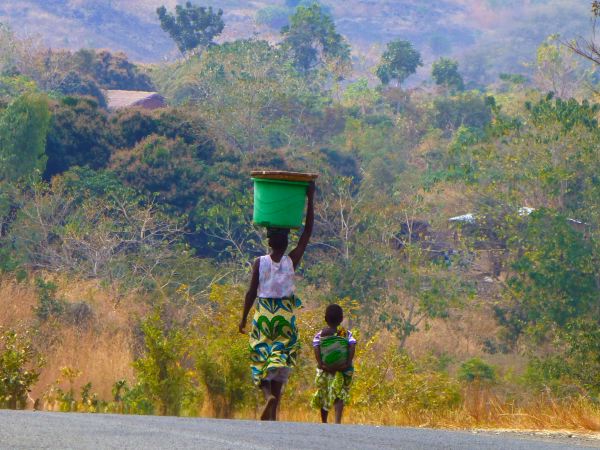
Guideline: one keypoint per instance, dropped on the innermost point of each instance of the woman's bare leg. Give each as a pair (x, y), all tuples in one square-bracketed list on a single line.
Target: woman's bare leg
[(267, 390), (339, 409), (276, 388)]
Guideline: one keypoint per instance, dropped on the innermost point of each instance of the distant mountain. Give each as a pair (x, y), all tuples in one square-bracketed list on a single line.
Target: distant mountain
[(488, 36)]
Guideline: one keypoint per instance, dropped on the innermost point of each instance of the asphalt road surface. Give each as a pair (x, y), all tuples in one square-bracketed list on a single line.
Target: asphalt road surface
[(37, 430)]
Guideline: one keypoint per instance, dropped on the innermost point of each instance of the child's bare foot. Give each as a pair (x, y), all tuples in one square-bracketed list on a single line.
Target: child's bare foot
[(267, 410)]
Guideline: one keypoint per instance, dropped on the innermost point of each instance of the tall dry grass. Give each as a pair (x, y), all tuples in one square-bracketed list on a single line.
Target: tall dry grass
[(539, 414), (103, 352), (102, 349)]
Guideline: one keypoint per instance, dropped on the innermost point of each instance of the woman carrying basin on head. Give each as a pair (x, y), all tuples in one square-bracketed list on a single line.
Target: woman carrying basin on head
[(274, 341)]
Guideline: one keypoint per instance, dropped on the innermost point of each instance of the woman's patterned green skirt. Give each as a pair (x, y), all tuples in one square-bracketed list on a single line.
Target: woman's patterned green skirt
[(274, 337)]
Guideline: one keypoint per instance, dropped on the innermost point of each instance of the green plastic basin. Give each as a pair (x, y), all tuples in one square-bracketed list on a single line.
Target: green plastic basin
[(279, 203)]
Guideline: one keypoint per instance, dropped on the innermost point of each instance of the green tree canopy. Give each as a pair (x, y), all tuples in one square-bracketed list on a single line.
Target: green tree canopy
[(398, 62), (111, 71), (23, 129), (445, 73), (312, 40), (163, 167), (191, 26), (79, 135)]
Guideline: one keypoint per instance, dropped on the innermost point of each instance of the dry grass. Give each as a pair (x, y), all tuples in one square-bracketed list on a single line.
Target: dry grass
[(101, 357), (16, 302), (103, 352), (542, 414)]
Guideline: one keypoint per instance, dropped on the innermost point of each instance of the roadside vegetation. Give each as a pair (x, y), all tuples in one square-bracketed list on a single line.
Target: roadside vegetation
[(458, 227)]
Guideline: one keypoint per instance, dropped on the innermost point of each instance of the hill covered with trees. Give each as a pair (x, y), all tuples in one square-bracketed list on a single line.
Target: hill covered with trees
[(457, 224), (487, 37)]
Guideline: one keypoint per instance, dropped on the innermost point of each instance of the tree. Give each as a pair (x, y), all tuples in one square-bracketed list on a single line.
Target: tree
[(191, 26), (247, 91), (23, 130), (79, 135), (398, 62), (358, 94), (589, 49), (313, 42), (558, 70), (166, 168), (445, 73), (468, 109), (111, 71), (75, 84), (90, 225)]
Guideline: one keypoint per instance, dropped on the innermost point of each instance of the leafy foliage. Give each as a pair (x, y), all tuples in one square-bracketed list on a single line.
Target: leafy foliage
[(445, 73), (161, 371), (399, 61), (468, 109), (79, 135), (19, 368), (49, 305), (111, 71), (313, 42), (221, 362), (477, 370), (191, 26), (163, 167), (23, 128)]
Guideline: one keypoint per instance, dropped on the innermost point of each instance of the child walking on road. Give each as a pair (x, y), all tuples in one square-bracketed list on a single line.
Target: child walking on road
[(334, 349)]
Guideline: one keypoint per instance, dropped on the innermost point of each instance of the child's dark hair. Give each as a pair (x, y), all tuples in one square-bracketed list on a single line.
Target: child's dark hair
[(334, 314)]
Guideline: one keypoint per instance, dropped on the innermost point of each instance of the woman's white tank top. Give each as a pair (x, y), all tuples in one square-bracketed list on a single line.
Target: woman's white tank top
[(276, 280)]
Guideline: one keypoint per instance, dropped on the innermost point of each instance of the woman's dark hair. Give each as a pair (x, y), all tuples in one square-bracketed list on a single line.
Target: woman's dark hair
[(334, 314), (278, 238)]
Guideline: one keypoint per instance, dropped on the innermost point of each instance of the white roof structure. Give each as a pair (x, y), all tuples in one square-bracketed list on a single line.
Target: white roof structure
[(118, 99)]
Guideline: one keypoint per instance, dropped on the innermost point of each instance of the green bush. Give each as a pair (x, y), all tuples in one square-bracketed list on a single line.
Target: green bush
[(161, 371), (48, 305), (222, 362), (475, 369), (19, 368), (390, 378)]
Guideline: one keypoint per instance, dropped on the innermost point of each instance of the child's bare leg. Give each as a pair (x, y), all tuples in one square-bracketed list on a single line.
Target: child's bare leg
[(324, 414), (270, 399), (339, 409), (276, 388)]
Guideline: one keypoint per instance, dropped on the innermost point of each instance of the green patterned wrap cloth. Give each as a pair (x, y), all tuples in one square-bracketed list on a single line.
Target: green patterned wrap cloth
[(334, 349)]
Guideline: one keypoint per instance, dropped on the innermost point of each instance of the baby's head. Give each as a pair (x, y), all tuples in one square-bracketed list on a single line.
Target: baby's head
[(334, 315), (278, 238)]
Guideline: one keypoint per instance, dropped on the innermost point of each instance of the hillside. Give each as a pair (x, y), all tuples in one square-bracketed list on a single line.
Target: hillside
[(488, 37), (454, 219)]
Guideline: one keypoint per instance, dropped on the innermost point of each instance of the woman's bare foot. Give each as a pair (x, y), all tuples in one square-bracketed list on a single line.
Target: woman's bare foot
[(267, 410)]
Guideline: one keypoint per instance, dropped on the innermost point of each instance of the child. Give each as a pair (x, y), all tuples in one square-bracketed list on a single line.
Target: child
[(334, 378), (274, 341)]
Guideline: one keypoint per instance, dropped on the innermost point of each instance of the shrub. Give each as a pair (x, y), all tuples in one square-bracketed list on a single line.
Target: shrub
[(389, 378), (223, 362), (19, 368), (162, 371), (48, 304), (477, 370), (130, 400)]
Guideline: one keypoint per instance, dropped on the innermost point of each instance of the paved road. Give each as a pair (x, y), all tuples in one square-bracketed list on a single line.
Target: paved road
[(37, 430)]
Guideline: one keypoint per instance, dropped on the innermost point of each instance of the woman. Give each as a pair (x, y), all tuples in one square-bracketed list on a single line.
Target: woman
[(274, 336)]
